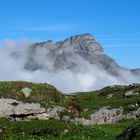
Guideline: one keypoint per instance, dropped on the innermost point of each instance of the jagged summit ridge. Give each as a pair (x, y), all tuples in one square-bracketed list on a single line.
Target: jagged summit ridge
[(63, 54)]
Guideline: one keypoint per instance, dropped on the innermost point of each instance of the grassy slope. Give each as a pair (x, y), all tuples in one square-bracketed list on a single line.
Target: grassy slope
[(97, 99), (48, 96), (53, 130), (41, 93)]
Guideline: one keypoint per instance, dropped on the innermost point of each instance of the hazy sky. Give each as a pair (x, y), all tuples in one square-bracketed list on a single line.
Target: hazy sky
[(114, 23)]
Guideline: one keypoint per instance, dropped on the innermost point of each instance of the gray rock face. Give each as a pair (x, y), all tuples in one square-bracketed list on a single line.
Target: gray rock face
[(12, 108), (6, 107), (107, 116), (28, 108)]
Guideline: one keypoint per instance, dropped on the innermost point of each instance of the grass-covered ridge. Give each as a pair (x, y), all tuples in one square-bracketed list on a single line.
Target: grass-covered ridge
[(41, 92), (98, 99)]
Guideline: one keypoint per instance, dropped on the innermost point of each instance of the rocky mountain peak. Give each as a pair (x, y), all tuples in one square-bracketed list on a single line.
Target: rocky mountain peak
[(63, 54), (86, 36), (79, 38), (83, 44)]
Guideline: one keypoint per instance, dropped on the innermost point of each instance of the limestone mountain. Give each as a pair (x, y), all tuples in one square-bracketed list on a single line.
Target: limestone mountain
[(73, 53), (68, 53)]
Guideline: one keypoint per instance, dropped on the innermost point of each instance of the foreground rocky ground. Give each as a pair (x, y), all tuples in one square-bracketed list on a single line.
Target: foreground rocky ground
[(40, 111)]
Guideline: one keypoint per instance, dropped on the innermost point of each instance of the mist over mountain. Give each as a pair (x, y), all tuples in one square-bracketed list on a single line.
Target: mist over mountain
[(77, 63)]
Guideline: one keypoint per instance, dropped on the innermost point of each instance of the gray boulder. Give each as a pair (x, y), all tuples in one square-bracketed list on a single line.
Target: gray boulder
[(28, 108), (55, 112), (26, 91), (7, 106), (106, 116), (11, 108)]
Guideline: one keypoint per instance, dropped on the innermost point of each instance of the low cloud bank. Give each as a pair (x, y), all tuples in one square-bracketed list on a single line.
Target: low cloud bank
[(86, 78)]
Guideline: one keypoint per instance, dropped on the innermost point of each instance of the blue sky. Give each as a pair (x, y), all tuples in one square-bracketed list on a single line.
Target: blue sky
[(114, 23)]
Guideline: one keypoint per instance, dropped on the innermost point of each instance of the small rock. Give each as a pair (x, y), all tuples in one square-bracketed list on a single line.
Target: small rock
[(26, 91), (109, 96), (66, 118), (43, 116), (86, 109), (1, 131)]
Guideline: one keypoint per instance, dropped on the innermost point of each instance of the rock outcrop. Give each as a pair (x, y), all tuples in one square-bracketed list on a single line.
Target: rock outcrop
[(55, 112), (107, 116), (133, 114), (102, 116), (11, 108), (131, 93)]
